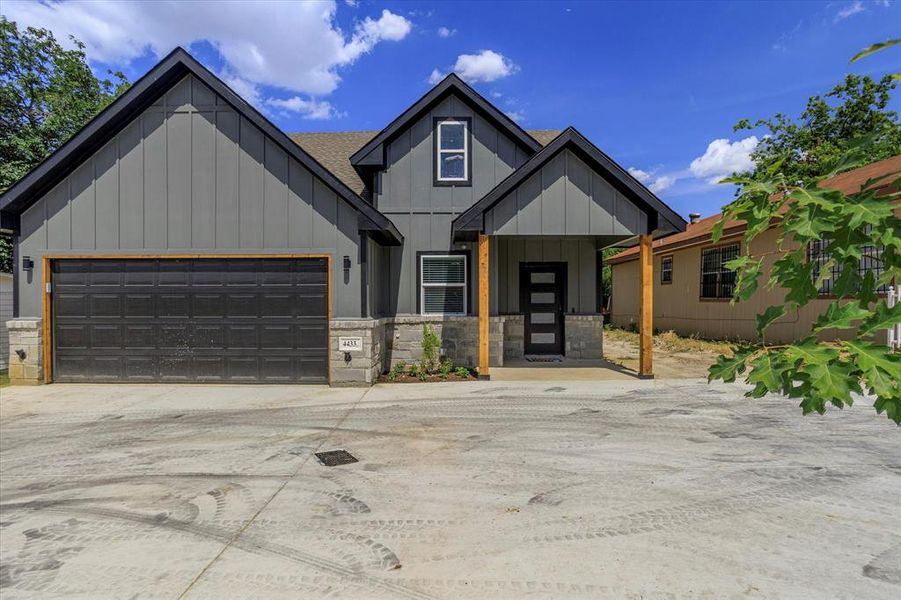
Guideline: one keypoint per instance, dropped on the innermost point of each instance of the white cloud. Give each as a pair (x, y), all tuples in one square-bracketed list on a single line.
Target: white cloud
[(723, 158), (642, 176), (308, 109), (352, 3), (661, 183), (496, 94), (296, 46), (656, 183), (850, 10), (445, 32), (487, 65), (517, 115)]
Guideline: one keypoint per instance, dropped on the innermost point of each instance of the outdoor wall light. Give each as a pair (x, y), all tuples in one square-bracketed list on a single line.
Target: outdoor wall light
[(346, 264), (27, 263), (21, 354)]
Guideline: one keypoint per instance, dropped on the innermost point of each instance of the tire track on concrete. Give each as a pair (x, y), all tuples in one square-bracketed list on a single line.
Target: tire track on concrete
[(236, 539)]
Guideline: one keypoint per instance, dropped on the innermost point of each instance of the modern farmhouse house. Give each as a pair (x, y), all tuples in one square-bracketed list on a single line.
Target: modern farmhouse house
[(181, 236), (692, 287)]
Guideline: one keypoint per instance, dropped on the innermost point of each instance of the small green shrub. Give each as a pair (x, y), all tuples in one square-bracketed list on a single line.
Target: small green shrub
[(444, 369), (396, 371), (423, 375), (461, 372), (431, 344), (413, 371)]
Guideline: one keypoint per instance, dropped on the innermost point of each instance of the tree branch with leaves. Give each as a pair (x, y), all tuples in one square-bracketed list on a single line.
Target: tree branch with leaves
[(818, 372)]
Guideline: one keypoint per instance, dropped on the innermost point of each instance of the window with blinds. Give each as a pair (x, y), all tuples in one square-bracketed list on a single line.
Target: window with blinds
[(716, 280), (443, 284)]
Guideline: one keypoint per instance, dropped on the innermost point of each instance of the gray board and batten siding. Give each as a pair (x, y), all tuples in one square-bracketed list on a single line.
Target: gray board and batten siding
[(191, 175), (565, 197), (422, 211)]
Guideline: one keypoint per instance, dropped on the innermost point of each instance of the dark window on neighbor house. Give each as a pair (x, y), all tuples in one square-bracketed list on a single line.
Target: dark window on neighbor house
[(452, 151), (819, 255), (716, 280), (442, 284), (666, 269)]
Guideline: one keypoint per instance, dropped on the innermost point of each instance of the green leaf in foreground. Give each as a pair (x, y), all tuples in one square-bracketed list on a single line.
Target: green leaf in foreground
[(769, 315)]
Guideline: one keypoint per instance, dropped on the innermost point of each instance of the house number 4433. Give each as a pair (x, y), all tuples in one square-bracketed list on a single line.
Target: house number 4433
[(350, 344)]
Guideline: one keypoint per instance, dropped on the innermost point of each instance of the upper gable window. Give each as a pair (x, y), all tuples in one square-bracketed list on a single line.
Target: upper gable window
[(452, 159)]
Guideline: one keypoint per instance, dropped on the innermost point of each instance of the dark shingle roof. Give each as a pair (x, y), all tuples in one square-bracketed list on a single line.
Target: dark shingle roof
[(333, 149)]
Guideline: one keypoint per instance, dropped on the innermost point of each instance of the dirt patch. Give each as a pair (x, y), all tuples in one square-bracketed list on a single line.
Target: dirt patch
[(674, 356)]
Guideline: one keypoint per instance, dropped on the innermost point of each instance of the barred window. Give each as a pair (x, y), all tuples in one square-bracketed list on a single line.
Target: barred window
[(716, 280), (666, 269), (819, 255), (443, 284)]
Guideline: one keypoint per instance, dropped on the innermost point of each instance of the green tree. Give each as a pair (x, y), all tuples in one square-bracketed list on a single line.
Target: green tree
[(807, 147), (47, 94), (851, 227)]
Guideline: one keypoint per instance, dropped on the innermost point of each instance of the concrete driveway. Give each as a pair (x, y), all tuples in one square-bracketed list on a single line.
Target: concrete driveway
[(649, 489)]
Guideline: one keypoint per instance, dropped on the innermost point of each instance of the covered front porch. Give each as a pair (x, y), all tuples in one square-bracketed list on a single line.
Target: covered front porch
[(540, 235)]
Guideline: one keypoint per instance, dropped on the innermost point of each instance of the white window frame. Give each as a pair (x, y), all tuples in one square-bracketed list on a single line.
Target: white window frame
[(439, 151), (423, 285)]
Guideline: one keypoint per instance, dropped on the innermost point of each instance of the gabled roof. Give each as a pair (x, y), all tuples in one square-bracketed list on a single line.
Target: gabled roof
[(847, 183), (333, 150), (667, 220), (373, 153), (139, 96)]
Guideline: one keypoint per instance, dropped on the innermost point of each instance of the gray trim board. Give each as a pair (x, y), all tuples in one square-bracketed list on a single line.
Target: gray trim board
[(139, 96), (661, 218)]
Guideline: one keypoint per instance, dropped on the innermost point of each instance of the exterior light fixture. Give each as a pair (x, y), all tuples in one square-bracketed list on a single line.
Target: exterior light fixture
[(27, 263)]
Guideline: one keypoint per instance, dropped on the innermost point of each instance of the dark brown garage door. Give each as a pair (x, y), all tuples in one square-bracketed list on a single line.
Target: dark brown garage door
[(192, 320)]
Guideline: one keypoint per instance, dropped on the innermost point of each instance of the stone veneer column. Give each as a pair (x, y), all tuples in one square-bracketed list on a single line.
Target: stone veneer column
[(25, 335), (584, 336), (364, 366)]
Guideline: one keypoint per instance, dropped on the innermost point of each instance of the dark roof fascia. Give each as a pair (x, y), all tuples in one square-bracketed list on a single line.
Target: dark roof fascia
[(373, 153), (144, 92), (667, 220)]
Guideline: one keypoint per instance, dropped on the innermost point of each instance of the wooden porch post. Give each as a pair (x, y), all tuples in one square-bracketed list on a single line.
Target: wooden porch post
[(646, 308), (483, 307)]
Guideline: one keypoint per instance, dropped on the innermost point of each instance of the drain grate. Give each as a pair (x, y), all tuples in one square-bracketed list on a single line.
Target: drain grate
[(334, 458), (544, 359)]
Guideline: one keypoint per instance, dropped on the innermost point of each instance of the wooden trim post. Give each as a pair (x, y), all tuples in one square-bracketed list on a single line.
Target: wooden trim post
[(483, 307), (646, 307)]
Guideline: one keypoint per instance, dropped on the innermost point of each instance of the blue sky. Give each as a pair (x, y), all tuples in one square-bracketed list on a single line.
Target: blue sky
[(656, 85)]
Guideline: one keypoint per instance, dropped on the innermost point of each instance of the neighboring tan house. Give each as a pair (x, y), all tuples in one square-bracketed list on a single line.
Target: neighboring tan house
[(181, 236), (692, 288)]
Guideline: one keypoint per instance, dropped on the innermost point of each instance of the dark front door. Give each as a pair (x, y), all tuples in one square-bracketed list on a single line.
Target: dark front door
[(260, 320), (542, 300)]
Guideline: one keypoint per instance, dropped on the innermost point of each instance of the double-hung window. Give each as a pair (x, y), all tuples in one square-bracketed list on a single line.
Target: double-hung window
[(666, 270), (452, 151), (717, 282), (442, 284)]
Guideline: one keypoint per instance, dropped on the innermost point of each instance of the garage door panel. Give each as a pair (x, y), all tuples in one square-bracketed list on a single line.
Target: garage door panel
[(106, 337), (140, 337), (144, 368), (239, 320), (208, 305), (209, 337), (74, 336), (139, 306), (277, 305), (71, 304), (173, 305), (314, 303), (105, 305)]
